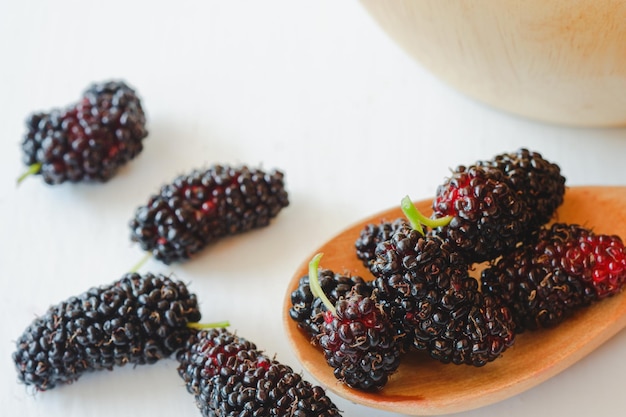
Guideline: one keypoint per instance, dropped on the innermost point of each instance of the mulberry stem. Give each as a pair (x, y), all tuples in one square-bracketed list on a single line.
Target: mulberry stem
[(417, 219), (142, 261), (202, 326), (32, 170), (314, 282)]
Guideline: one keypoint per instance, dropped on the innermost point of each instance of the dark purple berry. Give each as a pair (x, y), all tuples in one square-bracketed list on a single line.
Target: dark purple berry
[(203, 206), (89, 140), (566, 268), (135, 320), (423, 285), (359, 343), (229, 376), (537, 179), (496, 205), (371, 235), (308, 310)]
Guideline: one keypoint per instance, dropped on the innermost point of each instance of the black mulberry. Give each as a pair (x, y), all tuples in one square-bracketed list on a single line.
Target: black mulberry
[(539, 181), (88, 141), (359, 343), (423, 285), (488, 217), (135, 320), (199, 208), (230, 377), (566, 268), (371, 235), (498, 204), (308, 310), (358, 339)]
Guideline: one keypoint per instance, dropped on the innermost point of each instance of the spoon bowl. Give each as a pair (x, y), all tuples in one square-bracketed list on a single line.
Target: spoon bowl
[(423, 386)]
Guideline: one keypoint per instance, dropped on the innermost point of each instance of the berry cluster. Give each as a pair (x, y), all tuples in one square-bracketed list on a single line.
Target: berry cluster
[(140, 319), (421, 295)]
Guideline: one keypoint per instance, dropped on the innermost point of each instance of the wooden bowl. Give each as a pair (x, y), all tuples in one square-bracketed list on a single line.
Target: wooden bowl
[(560, 61), (423, 386)]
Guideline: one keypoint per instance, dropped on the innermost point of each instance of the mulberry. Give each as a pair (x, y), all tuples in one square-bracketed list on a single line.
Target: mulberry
[(497, 204), (199, 208), (539, 181), (488, 216), (568, 267), (89, 140), (135, 320), (423, 284), (371, 235), (229, 376), (357, 337), (308, 310)]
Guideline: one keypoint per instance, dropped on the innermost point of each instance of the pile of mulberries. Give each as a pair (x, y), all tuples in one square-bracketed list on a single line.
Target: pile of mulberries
[(199, 208), (89, 140), (135, 320), (425, 287), (493, 211)]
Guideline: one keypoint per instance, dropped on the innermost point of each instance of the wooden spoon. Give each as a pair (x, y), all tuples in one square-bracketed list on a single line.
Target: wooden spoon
[(423, 386)]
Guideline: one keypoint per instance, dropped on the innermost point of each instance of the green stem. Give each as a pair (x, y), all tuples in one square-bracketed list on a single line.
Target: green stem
[(32, 170), (314, 282), (202, 326), (417, 219), (139, 264)]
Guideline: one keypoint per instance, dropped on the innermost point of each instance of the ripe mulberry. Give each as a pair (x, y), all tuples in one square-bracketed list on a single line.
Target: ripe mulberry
[(229, 376), (568, 267), (199, 208), (357, 337), (371, 235), (359, 343), (89, 140), (488, 216), (539, 181), (308, 310), (135, 320), (423, 285), (497, 204)]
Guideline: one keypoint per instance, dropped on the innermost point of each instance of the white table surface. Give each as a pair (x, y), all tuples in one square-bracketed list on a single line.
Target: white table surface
[(313, 88)]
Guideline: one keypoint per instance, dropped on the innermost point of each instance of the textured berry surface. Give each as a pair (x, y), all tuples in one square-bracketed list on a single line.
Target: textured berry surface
[(87, 141), (359, 343), (371, 235), (135, 320), (229, 376), (423, 284), (308, 310), (489, 217), (199, 208), (497, 204), (538, 180), (568, 267)]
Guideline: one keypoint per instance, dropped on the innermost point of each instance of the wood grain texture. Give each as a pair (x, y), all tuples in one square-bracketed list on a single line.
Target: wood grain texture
[(423, 386), (561, 61)]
